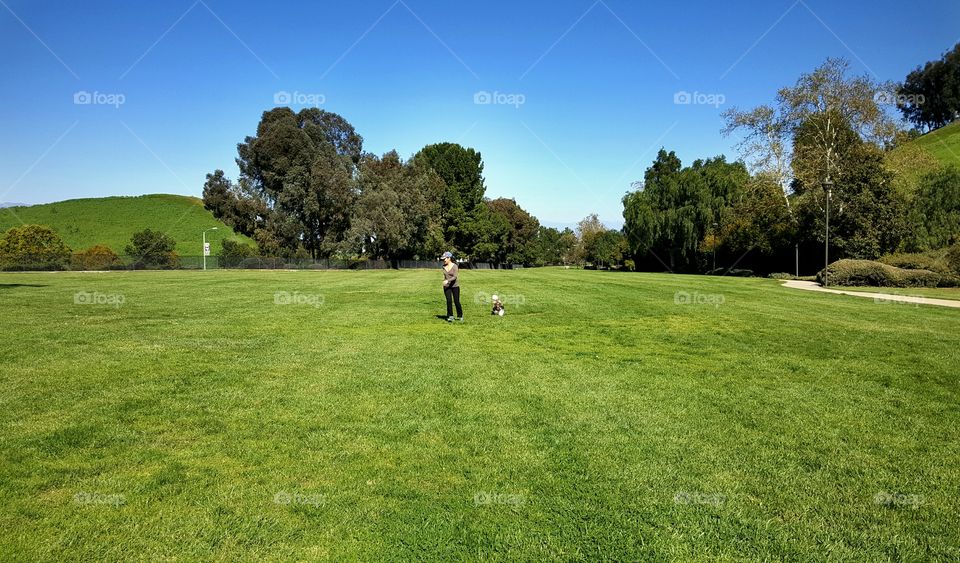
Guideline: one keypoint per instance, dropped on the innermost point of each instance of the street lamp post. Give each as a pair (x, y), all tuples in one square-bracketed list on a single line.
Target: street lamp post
[(828, 188), (205, 247)]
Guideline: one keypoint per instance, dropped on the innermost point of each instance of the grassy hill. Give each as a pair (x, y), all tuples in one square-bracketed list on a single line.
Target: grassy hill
[(111, 221), (944, 143)]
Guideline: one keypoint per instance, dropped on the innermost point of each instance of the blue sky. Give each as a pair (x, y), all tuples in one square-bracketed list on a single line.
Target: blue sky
[(585, 88)]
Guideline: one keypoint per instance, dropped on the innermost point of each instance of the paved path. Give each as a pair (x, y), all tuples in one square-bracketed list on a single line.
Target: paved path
[(814, 286)]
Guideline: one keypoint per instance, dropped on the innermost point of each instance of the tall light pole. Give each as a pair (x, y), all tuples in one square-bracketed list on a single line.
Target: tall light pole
[(828, 188), (205, 247)]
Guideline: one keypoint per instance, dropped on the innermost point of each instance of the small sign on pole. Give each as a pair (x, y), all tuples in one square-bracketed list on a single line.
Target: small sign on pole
[(206, 249)]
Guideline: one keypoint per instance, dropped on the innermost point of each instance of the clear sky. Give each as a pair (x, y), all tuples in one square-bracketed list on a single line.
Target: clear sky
[(585, 89)]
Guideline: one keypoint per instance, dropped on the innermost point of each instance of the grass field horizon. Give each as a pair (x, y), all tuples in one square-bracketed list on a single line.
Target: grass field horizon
[(333, 415)]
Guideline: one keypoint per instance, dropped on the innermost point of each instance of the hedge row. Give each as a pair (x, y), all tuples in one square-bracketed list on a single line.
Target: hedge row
[(878, 274)]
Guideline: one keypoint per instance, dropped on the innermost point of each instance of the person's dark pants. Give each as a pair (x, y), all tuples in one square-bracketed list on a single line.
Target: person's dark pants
[(453, 296)]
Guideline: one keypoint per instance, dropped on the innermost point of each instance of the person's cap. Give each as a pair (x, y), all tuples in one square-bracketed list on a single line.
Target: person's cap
[(446, 255), (494, 297)]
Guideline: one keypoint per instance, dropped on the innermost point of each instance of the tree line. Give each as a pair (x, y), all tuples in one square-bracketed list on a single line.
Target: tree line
[(307, 189), (828, 135)]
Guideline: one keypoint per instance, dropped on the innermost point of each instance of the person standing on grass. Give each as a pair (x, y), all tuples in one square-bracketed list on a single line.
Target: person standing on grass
[(451, 286)]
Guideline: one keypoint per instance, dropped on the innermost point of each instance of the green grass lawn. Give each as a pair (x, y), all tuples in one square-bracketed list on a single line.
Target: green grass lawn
[(111, 221), (944, 143), (331, 415), (935, 292)]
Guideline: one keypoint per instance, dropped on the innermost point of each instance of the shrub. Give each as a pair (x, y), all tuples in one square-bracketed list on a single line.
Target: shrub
[(33, 247), (781, 276), (878, 274), (235, 253), (916, 261), (98, 257), (153, 249), (952, 259)]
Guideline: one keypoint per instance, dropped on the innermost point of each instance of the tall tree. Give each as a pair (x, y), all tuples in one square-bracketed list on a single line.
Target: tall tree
[(675, 208), (397, 209), (297, 182), (553, 246), (588, 229), (930, 95), (488, 233), (520, 247), (462, 171), (844, 101), (867, 215)]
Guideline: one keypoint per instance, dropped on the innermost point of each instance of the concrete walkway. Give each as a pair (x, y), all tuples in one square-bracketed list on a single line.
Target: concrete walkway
[(879, 297)]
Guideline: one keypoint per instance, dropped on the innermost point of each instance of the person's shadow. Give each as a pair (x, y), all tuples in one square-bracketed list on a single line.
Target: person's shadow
[(13, 285), (441, 317)]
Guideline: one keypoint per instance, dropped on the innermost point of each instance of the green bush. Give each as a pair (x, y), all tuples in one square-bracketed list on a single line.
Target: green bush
[(235, 253), (917, 261), (952, 259), (153, 249), (878, 274), (33, 247), (98, 257)]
